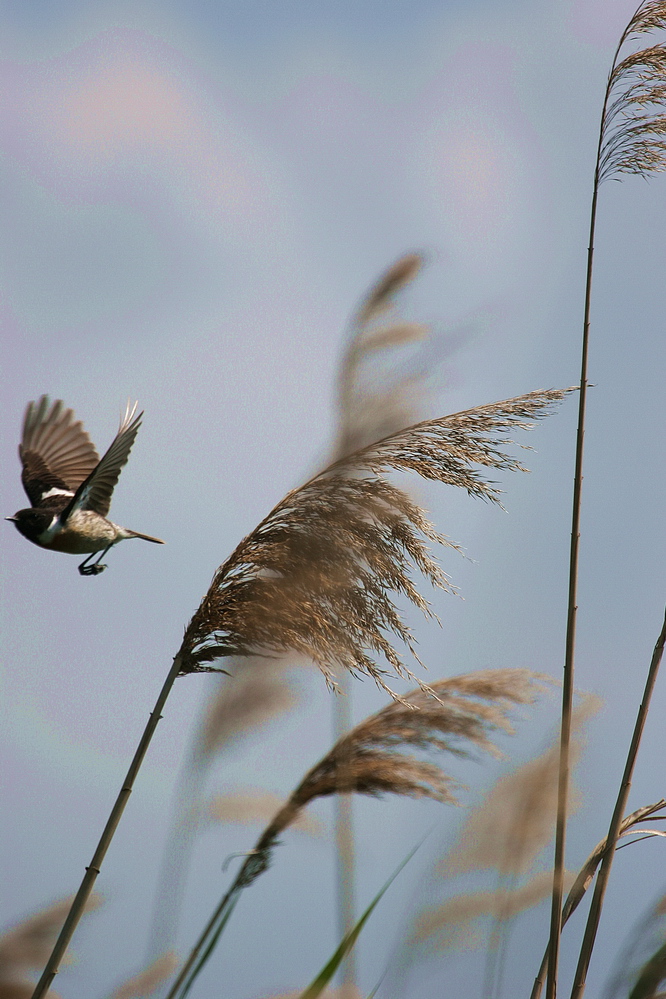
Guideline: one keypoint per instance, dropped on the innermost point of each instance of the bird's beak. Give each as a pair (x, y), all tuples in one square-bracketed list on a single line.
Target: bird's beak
[(14, 519)]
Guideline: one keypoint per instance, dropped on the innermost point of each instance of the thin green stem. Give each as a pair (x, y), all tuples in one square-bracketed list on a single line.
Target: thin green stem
[(255, 863), (616, 821), (78, 905)]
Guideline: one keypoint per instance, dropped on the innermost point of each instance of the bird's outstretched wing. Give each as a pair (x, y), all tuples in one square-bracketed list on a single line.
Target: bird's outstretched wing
[(95, 491), (56, 453)]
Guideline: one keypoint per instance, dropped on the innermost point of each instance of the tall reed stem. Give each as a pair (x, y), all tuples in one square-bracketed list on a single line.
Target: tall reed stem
[(572, 608), (616, 821), (78, 905), (570, 645)]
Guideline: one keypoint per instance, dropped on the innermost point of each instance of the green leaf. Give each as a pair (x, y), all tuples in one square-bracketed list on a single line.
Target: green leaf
[(326, 974)]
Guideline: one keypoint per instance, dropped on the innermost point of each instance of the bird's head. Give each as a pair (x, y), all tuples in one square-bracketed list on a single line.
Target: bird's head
[(31, 523)]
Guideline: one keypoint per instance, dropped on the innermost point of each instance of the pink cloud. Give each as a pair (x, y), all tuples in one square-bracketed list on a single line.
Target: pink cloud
[(126, 100)]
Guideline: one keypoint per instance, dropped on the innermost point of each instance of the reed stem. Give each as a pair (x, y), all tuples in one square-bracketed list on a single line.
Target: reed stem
[(93, 869), (572, 607)]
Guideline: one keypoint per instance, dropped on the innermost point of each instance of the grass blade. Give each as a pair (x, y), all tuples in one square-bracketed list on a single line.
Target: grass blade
[(328, 971)]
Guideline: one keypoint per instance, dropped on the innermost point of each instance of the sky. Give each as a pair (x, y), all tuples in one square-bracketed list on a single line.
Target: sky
[(194, 199)]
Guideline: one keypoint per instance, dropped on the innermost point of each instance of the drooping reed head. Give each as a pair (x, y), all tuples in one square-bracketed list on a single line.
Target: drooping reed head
[(456, 715), (368, 409), (633, 131), (320, 575)]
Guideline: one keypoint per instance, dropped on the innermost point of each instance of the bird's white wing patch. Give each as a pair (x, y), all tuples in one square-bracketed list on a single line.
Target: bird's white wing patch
[(56, 492)]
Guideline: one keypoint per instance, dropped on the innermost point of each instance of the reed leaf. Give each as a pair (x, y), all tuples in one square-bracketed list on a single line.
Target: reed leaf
[(318, 985)]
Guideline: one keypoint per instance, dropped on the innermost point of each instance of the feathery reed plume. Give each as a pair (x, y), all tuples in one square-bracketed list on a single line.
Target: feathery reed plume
[(27, 945), (459, 713), (505, 833), (256, 806), (344, 992), (149, 980), (628, 827), (631, 140), (316, 576)]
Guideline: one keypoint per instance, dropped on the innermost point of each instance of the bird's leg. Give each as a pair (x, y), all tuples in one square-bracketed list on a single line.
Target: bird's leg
[(95, 568)]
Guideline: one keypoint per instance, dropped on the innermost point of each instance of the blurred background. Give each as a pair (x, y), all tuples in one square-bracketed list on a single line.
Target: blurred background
[(195, 197)]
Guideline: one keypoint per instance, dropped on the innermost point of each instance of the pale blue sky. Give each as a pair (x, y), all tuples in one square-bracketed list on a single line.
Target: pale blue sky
[(194, 198)]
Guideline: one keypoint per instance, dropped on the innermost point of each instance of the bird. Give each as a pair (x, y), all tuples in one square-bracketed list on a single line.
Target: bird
[(69, 486)]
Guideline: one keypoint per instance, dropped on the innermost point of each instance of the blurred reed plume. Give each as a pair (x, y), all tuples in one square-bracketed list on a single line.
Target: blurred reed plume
[(249, 807), (628, 827), (460, 714), (25, 947), (344, 992), (249, 697), (505, 833), (368, 412), (451, 924), (149, 980), (316, 577), (515, 821)]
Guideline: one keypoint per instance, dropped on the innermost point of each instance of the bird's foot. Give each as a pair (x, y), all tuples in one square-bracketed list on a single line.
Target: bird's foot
[(91, 570)]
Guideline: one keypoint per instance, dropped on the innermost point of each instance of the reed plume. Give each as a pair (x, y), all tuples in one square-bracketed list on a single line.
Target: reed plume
[(368, 412), (631, 141), (515, 820), (451, 924), (147, 982), (318, 576), (26, 946), (248, 807), (459, 714), (369, 409)]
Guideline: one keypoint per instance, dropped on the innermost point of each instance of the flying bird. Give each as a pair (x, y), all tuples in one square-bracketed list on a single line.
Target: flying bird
[(68, 486)]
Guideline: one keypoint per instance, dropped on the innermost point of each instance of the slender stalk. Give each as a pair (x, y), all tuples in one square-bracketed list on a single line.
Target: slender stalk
[(614, 830), (572, 608), (344, 840), (78, 905), (570, 645), (215, 924)]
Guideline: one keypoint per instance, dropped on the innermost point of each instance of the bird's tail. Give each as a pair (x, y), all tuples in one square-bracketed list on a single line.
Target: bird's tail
[(145, 537)]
